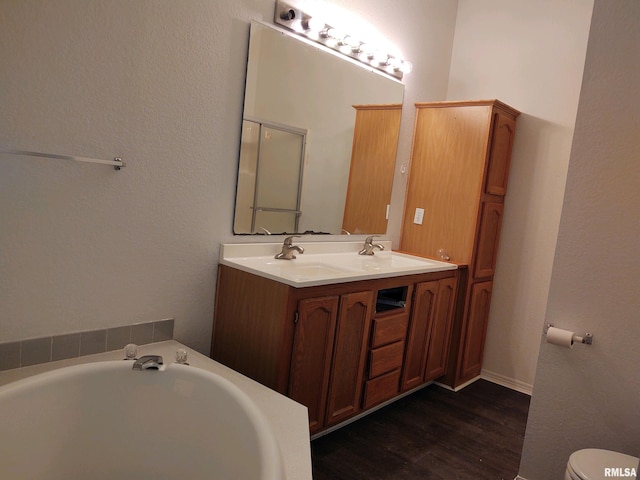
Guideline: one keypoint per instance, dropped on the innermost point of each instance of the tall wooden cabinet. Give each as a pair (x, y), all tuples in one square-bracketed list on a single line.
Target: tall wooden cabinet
[(458, 177), (373, 159)]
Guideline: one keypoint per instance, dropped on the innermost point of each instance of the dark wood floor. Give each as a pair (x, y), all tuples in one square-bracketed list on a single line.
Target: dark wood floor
[(435, 434)]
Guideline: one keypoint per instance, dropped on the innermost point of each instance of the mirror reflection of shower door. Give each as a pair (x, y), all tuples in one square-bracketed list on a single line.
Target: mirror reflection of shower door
[(280, 159)]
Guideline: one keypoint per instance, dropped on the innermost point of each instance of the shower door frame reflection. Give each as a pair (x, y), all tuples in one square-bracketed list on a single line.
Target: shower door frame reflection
[(278, 168)]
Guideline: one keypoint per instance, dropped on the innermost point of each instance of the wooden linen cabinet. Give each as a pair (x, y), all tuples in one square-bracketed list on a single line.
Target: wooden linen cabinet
[(458, 175)]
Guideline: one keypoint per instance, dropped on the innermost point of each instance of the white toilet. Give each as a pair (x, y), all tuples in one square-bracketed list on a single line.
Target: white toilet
[(596, 464)]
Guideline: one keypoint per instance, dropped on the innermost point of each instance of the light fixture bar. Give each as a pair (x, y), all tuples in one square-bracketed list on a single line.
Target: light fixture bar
[(318, 31)]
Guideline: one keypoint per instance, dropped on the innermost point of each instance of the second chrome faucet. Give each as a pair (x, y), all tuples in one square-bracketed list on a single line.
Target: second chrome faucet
[(289, 249), (369, 246)]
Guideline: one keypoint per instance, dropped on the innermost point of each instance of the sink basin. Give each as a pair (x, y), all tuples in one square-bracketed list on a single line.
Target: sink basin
[(312, 270), (329, 267), (299, 270), (390, 261)]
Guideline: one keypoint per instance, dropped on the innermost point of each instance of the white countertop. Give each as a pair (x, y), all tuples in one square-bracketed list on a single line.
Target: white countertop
[(288, 419), (324, 263)]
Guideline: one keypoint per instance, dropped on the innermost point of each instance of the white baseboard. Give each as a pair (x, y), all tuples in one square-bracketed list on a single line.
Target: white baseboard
[(367, 412), (519, 478), (511, 383), (459, 387)]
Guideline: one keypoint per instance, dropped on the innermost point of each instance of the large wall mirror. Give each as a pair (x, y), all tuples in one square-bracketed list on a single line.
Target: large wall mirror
[(319, 139)]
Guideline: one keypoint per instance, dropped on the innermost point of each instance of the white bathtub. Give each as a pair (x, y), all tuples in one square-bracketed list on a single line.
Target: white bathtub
[(106, 421)]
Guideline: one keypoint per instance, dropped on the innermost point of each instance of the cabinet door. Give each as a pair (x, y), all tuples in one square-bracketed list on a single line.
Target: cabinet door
[(488, 237), (418, 337), (440, 337), (475, 330), (311, 356), (349, 356), (448, 164), (502, 133)]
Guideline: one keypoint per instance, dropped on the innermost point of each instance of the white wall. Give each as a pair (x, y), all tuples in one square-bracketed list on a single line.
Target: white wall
[(590, 396), (531, 56), (161, 84)]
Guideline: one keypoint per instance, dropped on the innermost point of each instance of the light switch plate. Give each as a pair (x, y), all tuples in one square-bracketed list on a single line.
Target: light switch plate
[(419, 216)]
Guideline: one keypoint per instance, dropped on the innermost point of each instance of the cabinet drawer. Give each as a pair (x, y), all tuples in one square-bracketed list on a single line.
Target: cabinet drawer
[(381, 389), (385, 359), (389, 329)]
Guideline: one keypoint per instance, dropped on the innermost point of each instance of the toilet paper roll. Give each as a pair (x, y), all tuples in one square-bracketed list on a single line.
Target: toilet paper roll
[(558, 336)]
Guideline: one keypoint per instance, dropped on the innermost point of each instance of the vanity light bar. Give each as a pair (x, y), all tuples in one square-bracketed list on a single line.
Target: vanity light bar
[(320, 32)]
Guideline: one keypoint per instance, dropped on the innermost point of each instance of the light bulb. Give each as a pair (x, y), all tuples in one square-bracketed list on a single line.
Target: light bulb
[(345, 43), (394, 62), (406, 66), (356, 49), (314, 24), (366, 49), (334, 33), (383, 60), (296, 26), (379, 57)]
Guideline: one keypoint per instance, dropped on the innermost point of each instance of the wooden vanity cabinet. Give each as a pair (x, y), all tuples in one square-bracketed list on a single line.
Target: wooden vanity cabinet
[(458, 174), (323, 346)]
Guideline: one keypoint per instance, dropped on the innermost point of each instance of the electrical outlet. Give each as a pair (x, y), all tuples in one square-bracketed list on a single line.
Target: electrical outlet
[(419, 216)]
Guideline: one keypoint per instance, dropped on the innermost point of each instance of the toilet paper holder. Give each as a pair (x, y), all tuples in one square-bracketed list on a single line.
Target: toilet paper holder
[(587, 338)]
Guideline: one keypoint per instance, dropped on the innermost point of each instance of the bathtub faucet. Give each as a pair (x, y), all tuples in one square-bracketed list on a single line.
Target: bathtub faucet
[(148, 362)]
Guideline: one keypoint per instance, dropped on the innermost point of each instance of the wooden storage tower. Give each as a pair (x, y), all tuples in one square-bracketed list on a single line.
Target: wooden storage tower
[(458, 175)]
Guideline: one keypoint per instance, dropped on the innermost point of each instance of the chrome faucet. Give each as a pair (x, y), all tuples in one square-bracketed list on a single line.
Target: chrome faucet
[(148, 362), (288, 249), (369, 246)]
